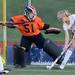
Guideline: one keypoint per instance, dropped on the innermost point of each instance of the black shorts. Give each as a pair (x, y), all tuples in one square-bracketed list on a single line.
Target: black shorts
[(27, 41)]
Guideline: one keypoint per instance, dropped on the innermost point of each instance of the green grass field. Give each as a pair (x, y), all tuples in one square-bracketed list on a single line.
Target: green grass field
[(41, 70)]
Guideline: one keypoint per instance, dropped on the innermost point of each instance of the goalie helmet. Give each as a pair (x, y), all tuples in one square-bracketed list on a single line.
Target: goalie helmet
[(30, 12)]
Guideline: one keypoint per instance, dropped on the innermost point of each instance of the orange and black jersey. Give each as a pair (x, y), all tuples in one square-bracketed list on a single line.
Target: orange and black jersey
[(28, 28)]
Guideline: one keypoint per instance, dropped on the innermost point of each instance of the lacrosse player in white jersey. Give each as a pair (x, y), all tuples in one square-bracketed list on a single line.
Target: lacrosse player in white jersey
[(2, 71), (68, 20), (1, 65)]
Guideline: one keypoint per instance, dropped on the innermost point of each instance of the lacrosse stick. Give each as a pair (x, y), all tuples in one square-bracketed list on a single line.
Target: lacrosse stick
[(64, 50), (10, 22)]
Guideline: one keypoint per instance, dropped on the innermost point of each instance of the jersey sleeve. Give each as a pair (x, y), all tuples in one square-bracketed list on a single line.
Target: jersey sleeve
[(15, 19), (40, 23)]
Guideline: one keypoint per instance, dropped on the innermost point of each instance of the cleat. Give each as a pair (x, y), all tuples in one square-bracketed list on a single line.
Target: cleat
[(6, 71), (62, 66), (48, 67)]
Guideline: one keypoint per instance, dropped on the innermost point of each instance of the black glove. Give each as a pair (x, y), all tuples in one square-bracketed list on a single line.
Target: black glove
[(52, 31)]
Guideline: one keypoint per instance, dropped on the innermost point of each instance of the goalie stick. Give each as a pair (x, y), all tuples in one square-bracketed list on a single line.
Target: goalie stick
[(10, 22)]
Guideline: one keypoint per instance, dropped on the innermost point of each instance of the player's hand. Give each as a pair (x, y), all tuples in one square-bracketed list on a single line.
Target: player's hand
[(73, 30)]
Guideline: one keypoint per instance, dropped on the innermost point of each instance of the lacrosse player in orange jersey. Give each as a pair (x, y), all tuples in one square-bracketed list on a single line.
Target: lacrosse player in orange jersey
[(30, 27)]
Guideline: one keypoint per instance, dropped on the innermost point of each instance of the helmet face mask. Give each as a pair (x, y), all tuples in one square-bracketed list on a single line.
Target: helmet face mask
[(30, 12)]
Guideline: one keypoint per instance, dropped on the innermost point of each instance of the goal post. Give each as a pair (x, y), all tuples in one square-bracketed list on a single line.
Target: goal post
[(4, 28)]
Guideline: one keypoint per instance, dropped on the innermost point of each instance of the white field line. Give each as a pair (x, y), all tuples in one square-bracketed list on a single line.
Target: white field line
[(47, 63), (34, 70)]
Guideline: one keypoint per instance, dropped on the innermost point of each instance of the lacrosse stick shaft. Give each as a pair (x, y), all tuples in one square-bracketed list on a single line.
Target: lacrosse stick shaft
[(52, 65), (10, 22)]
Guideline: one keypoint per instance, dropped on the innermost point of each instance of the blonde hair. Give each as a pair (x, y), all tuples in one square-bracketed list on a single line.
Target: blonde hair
[(62, 13)]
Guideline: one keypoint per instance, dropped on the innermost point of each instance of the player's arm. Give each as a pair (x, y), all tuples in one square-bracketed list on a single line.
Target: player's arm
[(8, 24), (43, 26), (46, 26), (51, 30), (14, 24), (66, 38), (15, 21)]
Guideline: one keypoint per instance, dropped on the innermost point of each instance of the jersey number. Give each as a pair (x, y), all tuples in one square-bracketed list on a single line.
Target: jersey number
[(27, 29)]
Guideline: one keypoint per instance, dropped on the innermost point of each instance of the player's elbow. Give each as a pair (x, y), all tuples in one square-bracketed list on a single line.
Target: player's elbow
[(46, 26)]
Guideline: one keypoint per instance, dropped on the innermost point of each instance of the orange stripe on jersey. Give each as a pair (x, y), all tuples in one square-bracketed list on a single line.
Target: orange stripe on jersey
[(29, 28)]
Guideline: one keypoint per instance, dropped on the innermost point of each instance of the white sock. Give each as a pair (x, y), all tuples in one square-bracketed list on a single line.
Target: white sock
[(66, 58), (1, 65)]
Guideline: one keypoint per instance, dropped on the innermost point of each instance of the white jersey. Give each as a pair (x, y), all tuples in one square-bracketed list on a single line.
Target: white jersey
[(71, 26)]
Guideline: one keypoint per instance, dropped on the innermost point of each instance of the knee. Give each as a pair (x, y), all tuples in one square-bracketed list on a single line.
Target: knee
[(51, 48), (19, 48)]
